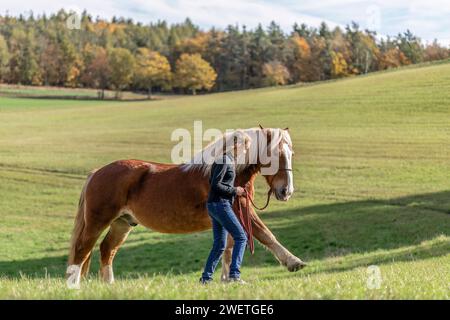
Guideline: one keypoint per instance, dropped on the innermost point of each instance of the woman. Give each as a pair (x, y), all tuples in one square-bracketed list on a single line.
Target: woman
[(219, 205)]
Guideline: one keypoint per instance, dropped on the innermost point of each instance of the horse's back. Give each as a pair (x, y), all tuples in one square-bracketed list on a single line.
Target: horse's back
[(109, 186), (171, 200), (159, 196)]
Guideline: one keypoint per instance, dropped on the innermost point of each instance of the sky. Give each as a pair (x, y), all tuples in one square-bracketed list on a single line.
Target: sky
[(429, 19)]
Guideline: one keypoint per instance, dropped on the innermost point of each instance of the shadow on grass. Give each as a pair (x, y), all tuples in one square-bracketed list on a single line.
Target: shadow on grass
[(317, 232), (426, 250)]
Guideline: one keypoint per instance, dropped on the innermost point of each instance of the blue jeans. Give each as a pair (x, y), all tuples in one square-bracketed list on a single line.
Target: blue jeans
[(224, 220)]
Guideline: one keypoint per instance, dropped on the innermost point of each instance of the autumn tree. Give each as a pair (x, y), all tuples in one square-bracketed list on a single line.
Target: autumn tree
[(49, 63), (372, 53), (339, 66), (393, 58), (23, 65), (152, 69), (69, 61), (275, 73), (194, 73), (340, 54), (301, 57), (97, 71), (122, 63), (196, 44), (4, 58), (365, 52), (433, 51)]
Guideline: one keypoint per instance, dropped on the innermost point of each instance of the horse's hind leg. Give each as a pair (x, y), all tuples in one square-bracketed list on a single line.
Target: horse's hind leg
[(116, 236), (81, 251), (226, 259), (86, 265)]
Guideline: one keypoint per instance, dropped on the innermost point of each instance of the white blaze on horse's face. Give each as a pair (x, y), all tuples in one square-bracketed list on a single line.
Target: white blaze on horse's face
[(290, 179), (285, 185), (283, 181)]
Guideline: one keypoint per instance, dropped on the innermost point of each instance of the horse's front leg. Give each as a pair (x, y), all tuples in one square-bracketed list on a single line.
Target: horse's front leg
[(266, 237)]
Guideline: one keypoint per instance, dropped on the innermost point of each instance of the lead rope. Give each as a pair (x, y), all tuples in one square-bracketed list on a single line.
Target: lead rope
[(269, 193), (248, 226)]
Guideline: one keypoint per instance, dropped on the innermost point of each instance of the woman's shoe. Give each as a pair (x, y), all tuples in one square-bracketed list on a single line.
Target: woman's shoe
[(204, 281)]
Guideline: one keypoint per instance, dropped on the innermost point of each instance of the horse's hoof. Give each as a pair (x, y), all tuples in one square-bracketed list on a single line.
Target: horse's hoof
[(73, 276), (224, 278), (107, 274), (296, 264)]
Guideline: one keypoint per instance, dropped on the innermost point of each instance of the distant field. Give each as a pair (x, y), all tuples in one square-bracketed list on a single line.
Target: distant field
[(60, 93), (372, 177)]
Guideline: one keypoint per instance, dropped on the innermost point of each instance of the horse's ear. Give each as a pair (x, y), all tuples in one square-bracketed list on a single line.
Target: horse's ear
[(261, 127), (287, 128)]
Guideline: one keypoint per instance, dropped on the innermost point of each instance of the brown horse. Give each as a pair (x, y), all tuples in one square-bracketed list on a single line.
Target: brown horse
[(170, 198)]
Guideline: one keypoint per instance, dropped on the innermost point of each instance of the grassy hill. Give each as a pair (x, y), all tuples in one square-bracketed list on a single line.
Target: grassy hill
[(372, 177)]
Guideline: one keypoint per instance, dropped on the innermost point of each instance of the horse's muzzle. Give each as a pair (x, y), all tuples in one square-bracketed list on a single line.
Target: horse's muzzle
[(283, 194)]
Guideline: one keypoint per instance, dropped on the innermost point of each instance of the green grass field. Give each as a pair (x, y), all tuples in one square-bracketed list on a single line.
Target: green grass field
[(372, 177), (63, 93)]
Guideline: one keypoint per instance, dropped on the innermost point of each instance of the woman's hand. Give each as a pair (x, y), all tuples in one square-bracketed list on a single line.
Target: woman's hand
[(240, 191)]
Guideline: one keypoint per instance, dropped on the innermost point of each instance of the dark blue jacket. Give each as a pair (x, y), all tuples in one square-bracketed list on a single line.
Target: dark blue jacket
[(221, 180)]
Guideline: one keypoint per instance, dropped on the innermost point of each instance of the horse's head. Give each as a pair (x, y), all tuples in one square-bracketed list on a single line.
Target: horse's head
[(279, 177)]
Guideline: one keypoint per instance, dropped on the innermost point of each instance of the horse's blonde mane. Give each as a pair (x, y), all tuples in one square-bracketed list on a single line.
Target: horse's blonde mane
[(202, 160)]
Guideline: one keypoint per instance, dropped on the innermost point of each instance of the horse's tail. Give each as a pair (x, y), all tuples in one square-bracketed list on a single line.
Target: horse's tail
[(78, 228)]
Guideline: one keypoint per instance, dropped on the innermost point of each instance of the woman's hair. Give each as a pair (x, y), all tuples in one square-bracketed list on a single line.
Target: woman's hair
[(214, 151), (234, 144)]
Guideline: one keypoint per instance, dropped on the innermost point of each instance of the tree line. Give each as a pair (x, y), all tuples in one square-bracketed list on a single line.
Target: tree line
[(121, 54)]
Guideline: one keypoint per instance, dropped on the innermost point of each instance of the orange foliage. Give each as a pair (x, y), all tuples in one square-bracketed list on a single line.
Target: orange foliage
[(194, 45), (301, 47), (276, 73), (393, 58)]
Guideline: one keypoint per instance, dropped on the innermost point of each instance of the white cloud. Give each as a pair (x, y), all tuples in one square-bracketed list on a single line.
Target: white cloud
[(222, 13), (428, 19)]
